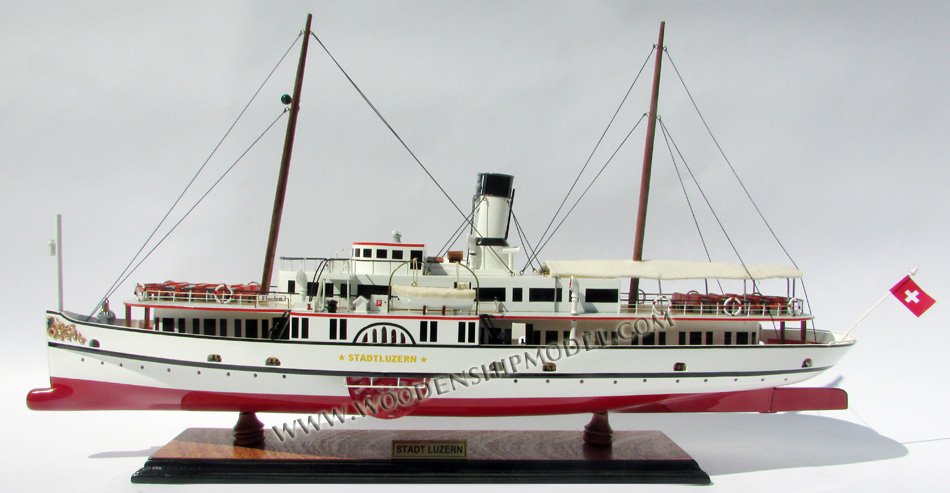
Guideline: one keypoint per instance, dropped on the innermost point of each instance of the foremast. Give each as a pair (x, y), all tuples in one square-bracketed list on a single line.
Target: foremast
[(285, 163)]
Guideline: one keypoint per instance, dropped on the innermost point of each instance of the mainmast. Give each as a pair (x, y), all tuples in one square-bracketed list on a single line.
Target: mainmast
[(285, 164), (647, 166)]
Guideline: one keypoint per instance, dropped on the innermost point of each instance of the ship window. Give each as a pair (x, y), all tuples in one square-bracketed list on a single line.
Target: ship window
[(662, 338), (181, 326), (550, 336), (291, 286), (742, 338), (709, 338), (397, 254), (295, 328), (423, 331), (328, 290), (251, 332), (343, 290), (491, 294), (682, 338), (168, 324), (333, 328), (728, 339), (516, 294), (650, 339), (695, 338), (356, 252), (471, 332), (544, 294), (367, 252), (305, 328), (415, 255), (368, 290), (385, 339), (381, 253), (343, 328), (237, 328), (532, 336), (375, 336), (223, 327), (753, 338), (602, 295), (311, 288), (196, 326), (461, 331), (265, 326), (433, 331)]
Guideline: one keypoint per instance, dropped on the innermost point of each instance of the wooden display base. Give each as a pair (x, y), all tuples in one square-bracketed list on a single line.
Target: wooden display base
[(202, 455)]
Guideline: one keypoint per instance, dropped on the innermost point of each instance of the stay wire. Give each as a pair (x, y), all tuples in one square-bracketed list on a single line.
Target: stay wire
[(404, 145), (708, 204), (731, 168), (596, 146), (624, 141), (200, 169), (734, 173), (200, 199), (455, 234), (688, 202), (524, 239)]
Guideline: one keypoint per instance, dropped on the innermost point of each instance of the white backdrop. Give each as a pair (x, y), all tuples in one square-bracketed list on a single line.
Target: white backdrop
[(833, 115)]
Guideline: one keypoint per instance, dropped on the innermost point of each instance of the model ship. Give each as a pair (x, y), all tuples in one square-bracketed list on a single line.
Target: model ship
[(389, 330)]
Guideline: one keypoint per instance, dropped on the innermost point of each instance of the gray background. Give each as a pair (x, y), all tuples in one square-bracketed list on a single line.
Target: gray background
[(833, 113)]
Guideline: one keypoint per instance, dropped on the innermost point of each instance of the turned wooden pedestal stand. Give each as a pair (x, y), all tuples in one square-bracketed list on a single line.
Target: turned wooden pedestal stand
[(250, 454)]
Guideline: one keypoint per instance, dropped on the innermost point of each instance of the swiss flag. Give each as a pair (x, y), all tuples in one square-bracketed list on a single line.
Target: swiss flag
[(914, 298)]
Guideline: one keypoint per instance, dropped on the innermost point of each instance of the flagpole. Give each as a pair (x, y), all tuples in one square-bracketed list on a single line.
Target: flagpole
[(912, 273)]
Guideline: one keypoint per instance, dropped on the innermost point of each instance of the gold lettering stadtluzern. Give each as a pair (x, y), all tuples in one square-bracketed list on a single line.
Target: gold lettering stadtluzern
[(382, 358)]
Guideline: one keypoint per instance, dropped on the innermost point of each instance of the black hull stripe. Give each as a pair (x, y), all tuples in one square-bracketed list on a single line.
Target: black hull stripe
[(491, 375)]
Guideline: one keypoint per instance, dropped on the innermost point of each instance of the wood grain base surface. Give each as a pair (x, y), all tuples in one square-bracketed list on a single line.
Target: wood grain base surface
[(203, 455)]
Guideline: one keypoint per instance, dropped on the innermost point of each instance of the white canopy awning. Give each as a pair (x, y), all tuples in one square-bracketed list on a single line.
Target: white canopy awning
[(667, 270), (434, 293)]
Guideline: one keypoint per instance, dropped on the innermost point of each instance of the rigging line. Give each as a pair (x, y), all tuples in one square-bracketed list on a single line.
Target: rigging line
[(406, 146), (200, 199), (708, 204), (524, 238), (200, 169), (688, 202), (556, 228), (596, 146), (744, 189), (390, 127), (455, 234)]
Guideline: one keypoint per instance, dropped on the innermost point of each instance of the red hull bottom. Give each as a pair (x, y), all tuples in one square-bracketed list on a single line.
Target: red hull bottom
[(67, 394)]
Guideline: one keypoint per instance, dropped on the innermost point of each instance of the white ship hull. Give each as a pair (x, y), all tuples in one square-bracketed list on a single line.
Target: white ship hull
[(134, 368)]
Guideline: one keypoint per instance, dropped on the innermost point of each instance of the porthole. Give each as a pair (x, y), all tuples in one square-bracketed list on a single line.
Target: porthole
[(807, 363), (94, 343), (679, 367)]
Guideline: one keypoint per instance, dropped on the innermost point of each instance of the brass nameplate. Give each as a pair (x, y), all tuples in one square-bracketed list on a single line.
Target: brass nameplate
[(430, 449)]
